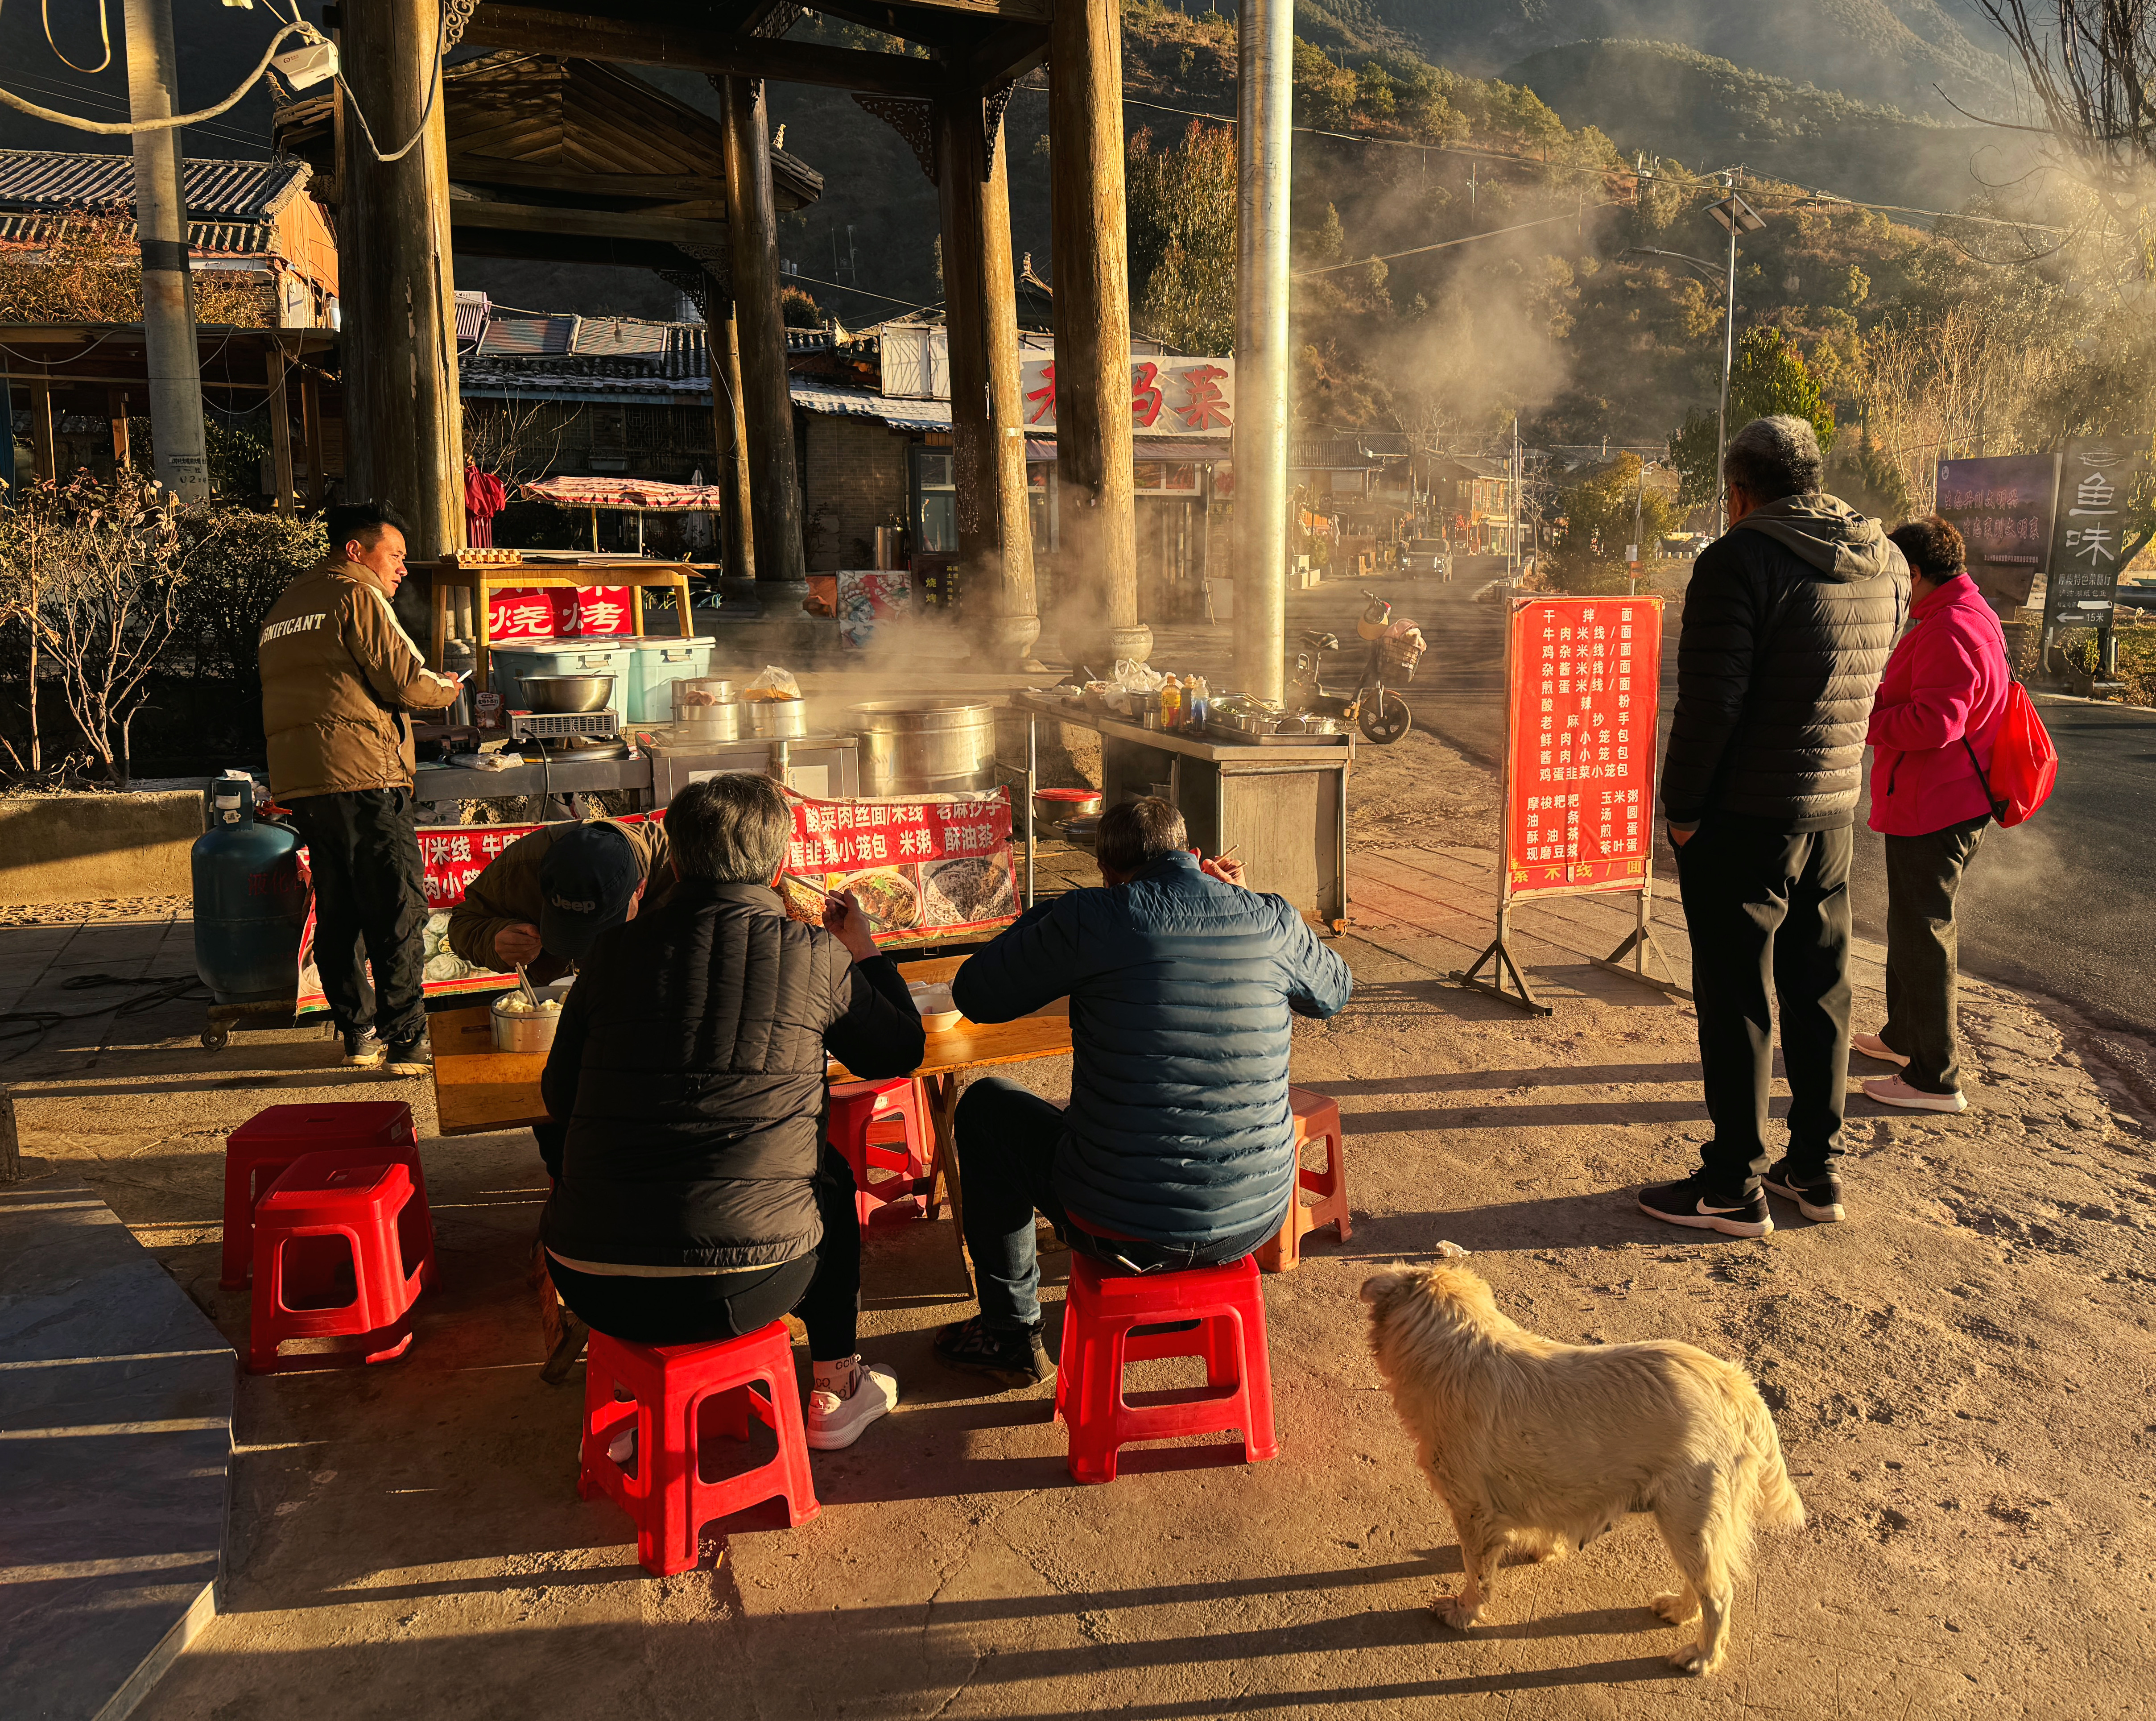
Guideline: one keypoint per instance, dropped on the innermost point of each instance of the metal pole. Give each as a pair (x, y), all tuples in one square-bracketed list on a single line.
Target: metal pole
[(1512, 542), (177, 435), (1728, 359), (1264, 113)]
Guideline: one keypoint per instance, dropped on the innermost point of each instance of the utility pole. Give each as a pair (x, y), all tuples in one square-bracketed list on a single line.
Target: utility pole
[(177, 435), (1513, 538), (1739, 216), (1264, 118)]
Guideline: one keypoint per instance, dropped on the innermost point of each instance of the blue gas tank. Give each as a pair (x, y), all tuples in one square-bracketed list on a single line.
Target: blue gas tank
[(250, 898)]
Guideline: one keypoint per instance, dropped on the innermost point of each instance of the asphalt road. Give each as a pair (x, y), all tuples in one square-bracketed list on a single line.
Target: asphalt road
[(2064, 905)]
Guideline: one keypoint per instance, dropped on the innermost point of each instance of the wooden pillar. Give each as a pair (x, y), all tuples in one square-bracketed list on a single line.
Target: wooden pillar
[(42, 442), (1093, 451), (730, 428), (404, 442), (280, 425), (310, 415), (782, 575), (115, 410), (980, 313)]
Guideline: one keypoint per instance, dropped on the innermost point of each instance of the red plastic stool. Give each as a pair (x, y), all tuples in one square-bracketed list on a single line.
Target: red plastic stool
[(860, 1128), (1316, 1119), (328, 1215), (667, 1498), (262, 1147), (1098, 1316)]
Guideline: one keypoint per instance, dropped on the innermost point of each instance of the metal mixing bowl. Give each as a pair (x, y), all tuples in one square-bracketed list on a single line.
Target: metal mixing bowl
[(567, 693)]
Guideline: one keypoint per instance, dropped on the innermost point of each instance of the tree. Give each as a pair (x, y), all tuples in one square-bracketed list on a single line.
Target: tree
[(1769, 379), (2091, 66), (1615, 506), (1182, 217)]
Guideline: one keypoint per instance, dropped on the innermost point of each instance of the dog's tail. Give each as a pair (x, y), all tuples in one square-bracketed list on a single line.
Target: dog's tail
[(1778, 1507)]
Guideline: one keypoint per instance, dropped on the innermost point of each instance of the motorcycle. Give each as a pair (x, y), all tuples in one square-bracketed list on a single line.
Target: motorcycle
[(1395, 648)]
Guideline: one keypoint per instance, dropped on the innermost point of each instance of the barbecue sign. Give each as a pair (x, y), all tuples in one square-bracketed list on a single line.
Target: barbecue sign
[(1169, 396)]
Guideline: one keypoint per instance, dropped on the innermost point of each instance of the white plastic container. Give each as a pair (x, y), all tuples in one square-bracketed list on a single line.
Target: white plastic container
[(514, 659), (657, 664)]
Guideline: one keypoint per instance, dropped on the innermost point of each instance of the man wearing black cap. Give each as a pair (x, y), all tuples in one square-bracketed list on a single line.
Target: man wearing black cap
[(544, 898)]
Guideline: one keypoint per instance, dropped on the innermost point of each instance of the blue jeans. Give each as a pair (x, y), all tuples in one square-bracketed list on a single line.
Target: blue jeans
[(1007, 1140)]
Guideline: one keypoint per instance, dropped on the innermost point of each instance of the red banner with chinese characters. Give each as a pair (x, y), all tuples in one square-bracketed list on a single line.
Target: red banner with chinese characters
[(531, 613), (450, 857), (1583, 678), (929, 868), (604, 609)]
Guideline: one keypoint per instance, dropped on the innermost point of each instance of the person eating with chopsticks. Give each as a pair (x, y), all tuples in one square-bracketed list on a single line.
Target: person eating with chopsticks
[(1177, 1148)]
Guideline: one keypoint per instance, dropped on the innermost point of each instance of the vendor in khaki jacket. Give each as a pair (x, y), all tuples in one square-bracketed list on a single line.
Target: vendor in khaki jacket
[(543, 899), (1178, 1149), (339, 677)]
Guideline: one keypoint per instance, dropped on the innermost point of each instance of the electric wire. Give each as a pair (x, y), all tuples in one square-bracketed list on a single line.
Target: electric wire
[(104, 30), (31, 1026)]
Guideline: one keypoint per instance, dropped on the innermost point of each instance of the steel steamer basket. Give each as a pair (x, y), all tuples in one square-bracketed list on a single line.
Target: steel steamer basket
[(926, 746)]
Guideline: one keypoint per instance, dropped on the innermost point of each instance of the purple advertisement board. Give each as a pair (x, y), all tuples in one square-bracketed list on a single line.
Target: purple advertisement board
[(2005, 509)]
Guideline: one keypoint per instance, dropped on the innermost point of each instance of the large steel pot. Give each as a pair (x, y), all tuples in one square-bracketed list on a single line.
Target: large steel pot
[(568, 693), (926, 746)]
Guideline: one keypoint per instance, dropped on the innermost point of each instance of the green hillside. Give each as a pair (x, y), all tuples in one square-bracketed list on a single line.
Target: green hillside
[(1666, 98)]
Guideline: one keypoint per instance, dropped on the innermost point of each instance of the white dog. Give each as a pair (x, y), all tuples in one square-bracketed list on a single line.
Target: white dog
[(1544, 1447)]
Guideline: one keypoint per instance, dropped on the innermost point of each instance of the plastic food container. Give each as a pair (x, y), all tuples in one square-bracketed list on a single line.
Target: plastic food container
[(932, 998), (512, 659), (656, 665)]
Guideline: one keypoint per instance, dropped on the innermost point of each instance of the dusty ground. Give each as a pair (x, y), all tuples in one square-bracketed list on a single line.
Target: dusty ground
[(1962, 1377)]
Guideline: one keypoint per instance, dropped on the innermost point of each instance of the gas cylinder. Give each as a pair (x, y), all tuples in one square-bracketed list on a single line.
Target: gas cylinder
[(250, 898)]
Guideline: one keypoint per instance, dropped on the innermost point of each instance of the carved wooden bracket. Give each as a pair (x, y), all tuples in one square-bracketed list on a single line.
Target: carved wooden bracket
[(992, 123), (914, 120)]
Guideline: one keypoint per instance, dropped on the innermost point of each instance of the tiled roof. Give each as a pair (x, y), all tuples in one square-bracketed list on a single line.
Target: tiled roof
[(43, 180), (865, 403)]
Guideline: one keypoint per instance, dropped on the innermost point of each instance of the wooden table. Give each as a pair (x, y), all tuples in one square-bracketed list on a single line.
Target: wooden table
[(478, 1089), (484, 579)]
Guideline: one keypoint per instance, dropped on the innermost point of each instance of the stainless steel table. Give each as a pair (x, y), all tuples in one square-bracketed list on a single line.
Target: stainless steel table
[(1282, 807)]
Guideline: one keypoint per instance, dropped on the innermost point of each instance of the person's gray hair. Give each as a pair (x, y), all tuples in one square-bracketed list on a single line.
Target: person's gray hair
[(1135, 834), (733, 827), (1773, 458)]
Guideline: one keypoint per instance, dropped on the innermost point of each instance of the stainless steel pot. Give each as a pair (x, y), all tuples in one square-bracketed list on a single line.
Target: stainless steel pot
[(532, 1032), (1053, 807), (567, 693), (778, 718), (926, 746), (709, 723)]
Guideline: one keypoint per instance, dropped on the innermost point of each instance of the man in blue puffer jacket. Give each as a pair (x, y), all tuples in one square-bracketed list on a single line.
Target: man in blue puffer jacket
[(1179, 1148)]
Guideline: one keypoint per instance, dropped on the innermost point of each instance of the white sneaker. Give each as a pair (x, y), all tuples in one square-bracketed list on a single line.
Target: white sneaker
[(622, 1448), (835, 1422), (1893, 1090), (1872, 1047)]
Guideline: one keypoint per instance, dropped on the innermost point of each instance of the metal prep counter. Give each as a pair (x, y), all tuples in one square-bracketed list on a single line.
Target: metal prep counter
[(1281, 806), (821, 766)]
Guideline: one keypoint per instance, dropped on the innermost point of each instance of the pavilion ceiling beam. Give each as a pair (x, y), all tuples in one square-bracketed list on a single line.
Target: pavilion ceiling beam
[(537, 30), (1004, 55), (467, 214), (490, 170), (931, 29)]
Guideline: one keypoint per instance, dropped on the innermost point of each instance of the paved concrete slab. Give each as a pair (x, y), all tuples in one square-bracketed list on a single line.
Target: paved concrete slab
[(116, 1442)]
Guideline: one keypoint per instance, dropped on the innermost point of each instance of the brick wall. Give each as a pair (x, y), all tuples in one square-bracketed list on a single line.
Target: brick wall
[(856, 481)]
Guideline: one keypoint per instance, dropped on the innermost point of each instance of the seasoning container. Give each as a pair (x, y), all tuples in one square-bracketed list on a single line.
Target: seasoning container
[(1171, 704)]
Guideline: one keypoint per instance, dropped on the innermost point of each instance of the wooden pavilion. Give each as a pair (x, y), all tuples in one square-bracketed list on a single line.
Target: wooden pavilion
[(946, 99)]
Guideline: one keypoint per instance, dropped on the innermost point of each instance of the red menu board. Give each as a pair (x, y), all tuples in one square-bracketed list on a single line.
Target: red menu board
[(928, 867), (1581, 681)]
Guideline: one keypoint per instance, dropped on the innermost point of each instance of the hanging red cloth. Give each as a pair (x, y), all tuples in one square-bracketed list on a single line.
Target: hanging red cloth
[(484, 498)]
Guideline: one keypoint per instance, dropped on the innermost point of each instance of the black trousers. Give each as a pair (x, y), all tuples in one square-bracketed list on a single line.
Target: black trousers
[(823, 1286), (1767, 910), (1007, 1138), (1923, 950), (370, 907)]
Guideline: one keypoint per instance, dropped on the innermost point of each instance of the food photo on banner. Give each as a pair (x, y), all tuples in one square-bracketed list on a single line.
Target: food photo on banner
[(929, 868), (1580, 754)]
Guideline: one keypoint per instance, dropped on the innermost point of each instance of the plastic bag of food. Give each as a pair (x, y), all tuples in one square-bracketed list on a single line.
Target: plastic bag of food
[(1133, 677), (773, 682)]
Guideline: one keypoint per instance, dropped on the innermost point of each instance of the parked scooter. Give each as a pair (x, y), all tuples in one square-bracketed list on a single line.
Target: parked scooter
[(1395, 648)]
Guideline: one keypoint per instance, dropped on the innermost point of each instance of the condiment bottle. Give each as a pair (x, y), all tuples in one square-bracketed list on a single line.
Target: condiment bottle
[(1171, 704)]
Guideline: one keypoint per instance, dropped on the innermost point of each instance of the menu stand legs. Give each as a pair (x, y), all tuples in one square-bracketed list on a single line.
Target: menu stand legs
[(943, 1093)]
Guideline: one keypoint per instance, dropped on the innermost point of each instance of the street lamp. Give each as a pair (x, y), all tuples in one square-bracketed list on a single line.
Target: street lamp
[(1738, 218)]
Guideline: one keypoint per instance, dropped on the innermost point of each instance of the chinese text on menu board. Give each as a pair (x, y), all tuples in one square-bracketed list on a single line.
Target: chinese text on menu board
[(1582, 697)]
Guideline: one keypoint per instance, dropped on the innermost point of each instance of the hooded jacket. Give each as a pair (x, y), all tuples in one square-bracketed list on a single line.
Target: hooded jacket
[(1178, 1129), (507, 892), (339, 674), (1947, 680), (688, 1069), (1789, 620)]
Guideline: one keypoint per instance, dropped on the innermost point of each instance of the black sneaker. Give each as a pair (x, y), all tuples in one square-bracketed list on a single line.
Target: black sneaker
[(1016, 1358), (1693, 1203), (363, 1049), (410, 1057), (1817, 1198)]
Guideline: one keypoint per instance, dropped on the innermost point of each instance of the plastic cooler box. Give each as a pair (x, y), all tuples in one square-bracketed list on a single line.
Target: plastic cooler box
[(515, 659), (656, 665)]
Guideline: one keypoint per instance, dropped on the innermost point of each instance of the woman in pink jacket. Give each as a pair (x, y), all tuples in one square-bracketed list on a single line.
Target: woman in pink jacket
[(1933, 727)]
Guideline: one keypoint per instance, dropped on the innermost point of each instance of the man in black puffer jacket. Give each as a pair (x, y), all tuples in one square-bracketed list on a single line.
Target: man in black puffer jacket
[(1178, 1149), (695, 1197), (1789, 621)]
